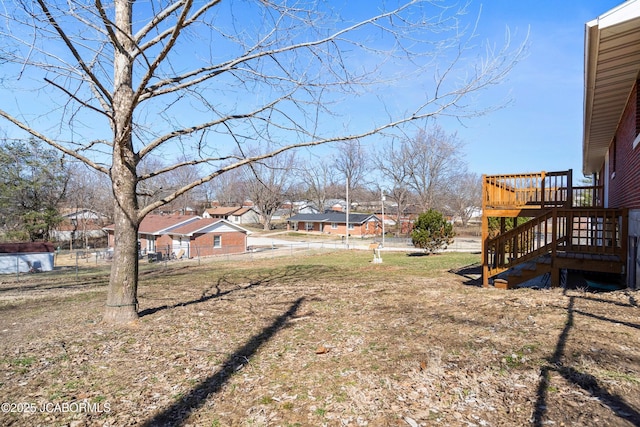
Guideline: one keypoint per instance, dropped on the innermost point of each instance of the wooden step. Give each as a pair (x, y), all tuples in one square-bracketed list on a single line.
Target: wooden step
[(502, 284), (526, 272)]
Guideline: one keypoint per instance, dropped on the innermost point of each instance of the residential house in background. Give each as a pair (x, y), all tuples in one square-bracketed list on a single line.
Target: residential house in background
[(79, 227), (592, 231), (187, 236), (207, 237), (153, 231), (336, 205), (360, 225), (307, 208), (234, 214)]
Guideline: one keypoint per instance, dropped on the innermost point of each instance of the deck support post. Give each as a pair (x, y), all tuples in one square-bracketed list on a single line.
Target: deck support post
[(555, 277), (485, 235)]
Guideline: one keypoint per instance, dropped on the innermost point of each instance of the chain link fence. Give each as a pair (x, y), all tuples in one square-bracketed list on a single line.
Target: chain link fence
[(85, 262), (98, 261)]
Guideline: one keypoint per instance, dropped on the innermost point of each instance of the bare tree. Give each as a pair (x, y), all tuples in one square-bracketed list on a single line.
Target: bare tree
[(394, 164), (268, 184), (464, 195), (87, 189), (176, 178), (432, 157), (118, 82), (318, 177), (156, 186), (351, 163), (226, 189)]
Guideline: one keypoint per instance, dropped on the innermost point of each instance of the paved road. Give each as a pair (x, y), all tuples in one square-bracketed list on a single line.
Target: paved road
[(461, 244)]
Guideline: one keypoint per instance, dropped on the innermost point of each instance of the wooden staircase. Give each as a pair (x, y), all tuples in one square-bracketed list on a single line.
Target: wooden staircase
[(564, 229), (525, 272)]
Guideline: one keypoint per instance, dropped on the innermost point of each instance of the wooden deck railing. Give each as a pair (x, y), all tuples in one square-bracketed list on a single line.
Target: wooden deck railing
[(583, 230), (588, 196), (537, 190)]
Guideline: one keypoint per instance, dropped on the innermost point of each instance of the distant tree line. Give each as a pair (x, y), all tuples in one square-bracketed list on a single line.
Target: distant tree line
[(415, 174)]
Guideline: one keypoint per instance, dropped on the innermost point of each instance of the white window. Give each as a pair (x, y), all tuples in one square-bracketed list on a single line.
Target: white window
[(217, 241), (351, 227), (334, 225), (308, 226)]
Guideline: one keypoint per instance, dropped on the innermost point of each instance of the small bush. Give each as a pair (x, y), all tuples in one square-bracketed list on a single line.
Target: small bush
[(432, 232)]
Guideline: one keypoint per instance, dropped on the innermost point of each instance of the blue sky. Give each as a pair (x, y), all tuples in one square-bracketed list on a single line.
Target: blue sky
[(541, 129)]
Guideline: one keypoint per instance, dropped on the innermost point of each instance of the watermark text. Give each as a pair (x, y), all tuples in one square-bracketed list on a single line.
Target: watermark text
[(80, 406)]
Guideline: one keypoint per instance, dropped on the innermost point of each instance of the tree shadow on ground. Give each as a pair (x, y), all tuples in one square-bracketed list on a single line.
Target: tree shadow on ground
[(228, 284), (178, 413), (587, 382), (203, 298), (86, 284)]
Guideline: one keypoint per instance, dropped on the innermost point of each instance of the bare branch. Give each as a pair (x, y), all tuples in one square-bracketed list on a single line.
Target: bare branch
[(205, 73), (180, 132), (52, 143), (164, 15), (75, 97), (177, 28), (71, 46), (175, 166)]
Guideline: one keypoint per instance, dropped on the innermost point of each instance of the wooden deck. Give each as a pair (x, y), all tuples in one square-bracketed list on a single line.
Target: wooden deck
[(603, 263), (566, 227)]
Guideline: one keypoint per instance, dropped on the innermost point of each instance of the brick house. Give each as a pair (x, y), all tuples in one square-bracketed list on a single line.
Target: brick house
[(611, 138), (188, 235), (330, 222), (209, 236)]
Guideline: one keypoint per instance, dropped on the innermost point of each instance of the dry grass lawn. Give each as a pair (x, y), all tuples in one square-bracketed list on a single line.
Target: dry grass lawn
[(318, 340)]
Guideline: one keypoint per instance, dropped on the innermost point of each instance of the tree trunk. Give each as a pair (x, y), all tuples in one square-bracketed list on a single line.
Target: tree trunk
[(122, 301)]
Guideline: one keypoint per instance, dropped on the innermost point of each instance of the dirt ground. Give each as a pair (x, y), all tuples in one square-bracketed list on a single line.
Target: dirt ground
[(309, 344)]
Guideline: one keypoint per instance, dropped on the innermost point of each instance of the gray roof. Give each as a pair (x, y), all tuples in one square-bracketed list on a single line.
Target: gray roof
[(354, 218)]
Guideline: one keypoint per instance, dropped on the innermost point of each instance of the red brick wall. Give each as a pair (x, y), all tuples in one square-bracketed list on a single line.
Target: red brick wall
[(231, 243), (624, 186), (358, 230), (163, 243), (339, 230)]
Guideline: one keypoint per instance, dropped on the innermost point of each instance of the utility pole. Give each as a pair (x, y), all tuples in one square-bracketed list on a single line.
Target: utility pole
[(383, 199), (347, 222)]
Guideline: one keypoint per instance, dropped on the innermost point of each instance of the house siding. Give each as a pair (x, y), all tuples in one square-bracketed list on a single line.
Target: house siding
[(634, 249), (624, 174), (624, 181)]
